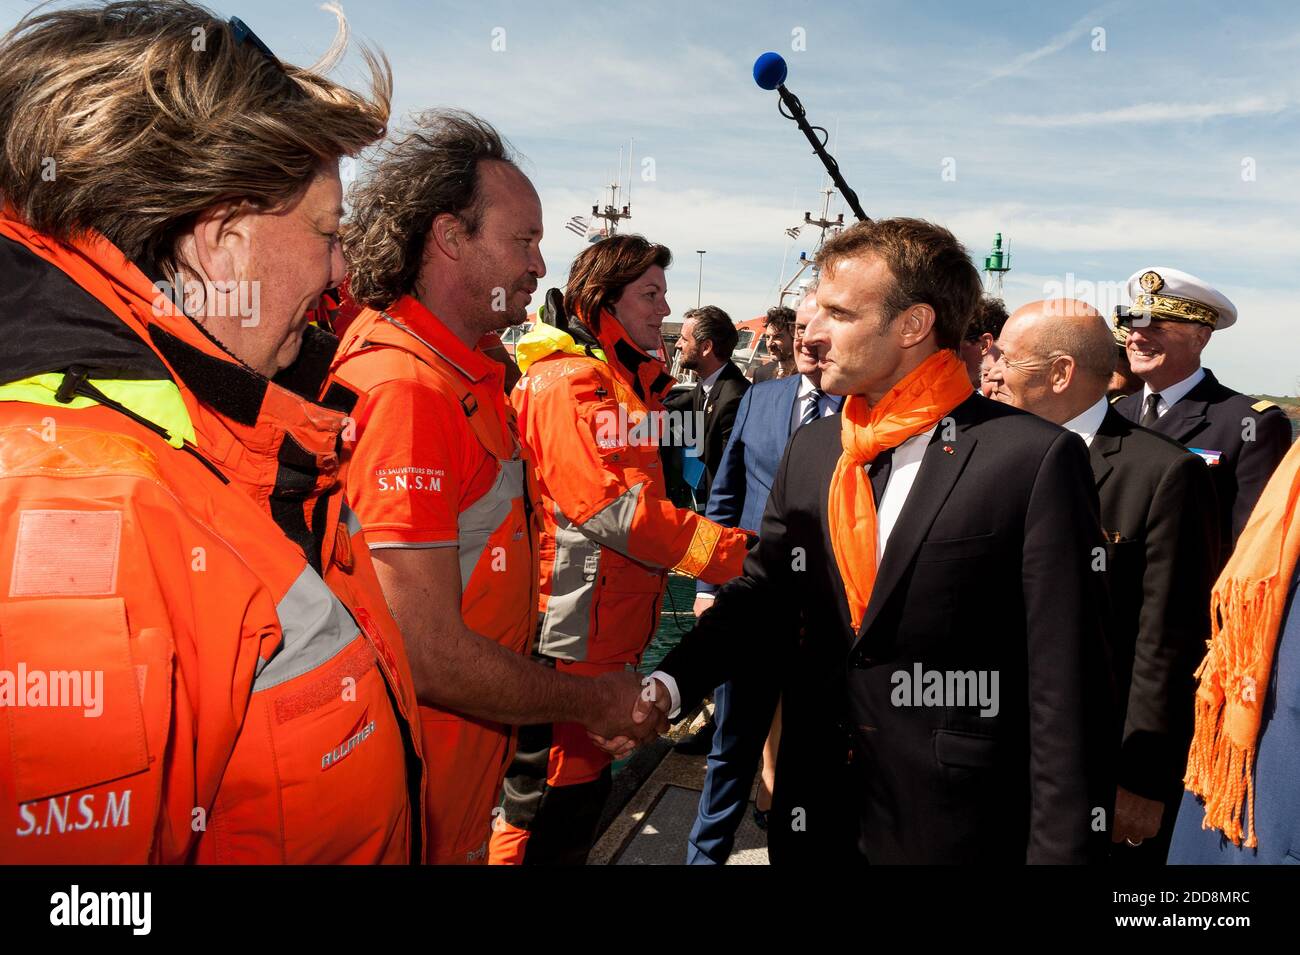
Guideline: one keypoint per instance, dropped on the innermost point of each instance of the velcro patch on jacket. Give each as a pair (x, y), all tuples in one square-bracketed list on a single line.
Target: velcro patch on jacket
[(66, 553), (339, 679)]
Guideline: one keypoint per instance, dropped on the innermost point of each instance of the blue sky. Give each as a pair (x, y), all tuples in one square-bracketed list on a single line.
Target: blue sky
[(1095, 154)]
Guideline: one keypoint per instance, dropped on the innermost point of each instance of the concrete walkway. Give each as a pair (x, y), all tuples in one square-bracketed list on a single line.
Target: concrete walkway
[(654, 824)]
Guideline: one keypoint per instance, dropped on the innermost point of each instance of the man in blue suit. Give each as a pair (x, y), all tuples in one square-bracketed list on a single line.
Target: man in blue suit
[(768, 415)]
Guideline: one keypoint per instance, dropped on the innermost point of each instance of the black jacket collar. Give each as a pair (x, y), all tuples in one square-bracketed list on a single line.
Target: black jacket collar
[(1106, 443)]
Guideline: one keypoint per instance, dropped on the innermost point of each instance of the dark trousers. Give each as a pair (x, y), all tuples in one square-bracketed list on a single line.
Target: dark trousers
[(742, 710), (561, 821), (815, 806)]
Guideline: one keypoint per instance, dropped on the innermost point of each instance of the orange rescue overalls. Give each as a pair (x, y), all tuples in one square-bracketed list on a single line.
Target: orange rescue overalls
[(437, 463)]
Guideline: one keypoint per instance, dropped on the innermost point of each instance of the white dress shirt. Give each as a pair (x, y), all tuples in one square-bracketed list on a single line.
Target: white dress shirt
[(903, 470), (825, 406), (902, 475), (1171, 395), (1087, 423), (708, 383)]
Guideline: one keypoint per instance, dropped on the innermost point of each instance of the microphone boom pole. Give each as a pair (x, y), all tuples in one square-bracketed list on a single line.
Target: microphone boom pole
[(770, 73)]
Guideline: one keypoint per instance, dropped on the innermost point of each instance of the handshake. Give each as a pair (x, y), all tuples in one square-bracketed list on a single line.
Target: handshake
[(629, 714)]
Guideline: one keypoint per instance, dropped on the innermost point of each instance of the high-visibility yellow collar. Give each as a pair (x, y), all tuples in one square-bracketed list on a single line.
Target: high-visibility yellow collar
[(158, 400), (543, 340)]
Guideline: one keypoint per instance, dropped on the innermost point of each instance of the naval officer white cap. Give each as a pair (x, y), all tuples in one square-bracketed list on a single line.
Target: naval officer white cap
[(1175, 296)]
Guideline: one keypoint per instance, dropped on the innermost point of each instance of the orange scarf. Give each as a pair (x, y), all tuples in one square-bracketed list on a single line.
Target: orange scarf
[(911, 407), (1246, 616)]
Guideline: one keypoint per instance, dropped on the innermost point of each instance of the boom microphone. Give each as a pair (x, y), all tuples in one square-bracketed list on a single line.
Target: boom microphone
[(769, 72)]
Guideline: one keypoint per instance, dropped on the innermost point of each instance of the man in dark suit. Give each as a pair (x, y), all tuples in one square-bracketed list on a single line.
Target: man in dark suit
[(1158, 513), (976, 737), (743, 709), (1241, 439), (708, 338)]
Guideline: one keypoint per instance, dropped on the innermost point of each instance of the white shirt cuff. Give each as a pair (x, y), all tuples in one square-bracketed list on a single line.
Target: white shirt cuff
[(674, 697), (705, 595)]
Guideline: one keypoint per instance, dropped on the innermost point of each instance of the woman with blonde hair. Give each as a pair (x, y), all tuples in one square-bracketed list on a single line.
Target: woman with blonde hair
[(170, 511)]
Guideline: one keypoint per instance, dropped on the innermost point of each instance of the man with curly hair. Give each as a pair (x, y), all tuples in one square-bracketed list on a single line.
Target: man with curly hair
[(443, 248)]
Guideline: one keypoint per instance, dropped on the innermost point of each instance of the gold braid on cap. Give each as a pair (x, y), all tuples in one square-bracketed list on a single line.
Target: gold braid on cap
[(1174, 308)]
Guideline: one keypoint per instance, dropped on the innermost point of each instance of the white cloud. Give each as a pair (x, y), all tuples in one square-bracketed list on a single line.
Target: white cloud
[(675, 89), (1161, 233), (1056, 44), (744, 238), (1155, 113), (1255, 356)]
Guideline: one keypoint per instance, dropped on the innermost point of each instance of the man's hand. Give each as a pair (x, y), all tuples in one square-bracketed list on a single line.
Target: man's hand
[(1136, 818), (645, 719), (652, 705), (702, 603), (620, 692)]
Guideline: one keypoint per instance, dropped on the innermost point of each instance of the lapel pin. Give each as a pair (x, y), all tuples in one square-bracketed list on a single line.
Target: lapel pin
[(947, 449)]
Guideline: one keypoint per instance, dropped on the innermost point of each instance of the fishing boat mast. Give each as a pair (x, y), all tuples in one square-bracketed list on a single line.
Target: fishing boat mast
[(825, 224), (612, 213)]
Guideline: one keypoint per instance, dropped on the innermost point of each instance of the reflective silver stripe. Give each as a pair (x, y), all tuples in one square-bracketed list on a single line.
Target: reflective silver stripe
[(612, 524), (566, 625), (410, 545), (349, 518), (315, 627), (477, 522)]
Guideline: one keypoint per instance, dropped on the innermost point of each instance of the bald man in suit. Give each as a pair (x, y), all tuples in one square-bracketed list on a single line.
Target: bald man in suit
[(1160, 521)]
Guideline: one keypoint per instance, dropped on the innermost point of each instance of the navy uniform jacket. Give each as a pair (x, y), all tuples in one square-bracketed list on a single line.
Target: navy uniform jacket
[(1214, 418)]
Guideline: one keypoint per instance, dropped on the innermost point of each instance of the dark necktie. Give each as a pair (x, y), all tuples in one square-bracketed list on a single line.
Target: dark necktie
[(812, 409), (878, 471), (1151, 414)]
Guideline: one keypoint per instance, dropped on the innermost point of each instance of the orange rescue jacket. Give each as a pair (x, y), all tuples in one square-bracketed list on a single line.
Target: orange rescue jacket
[(610, 533), (179, 560), (437, 462)]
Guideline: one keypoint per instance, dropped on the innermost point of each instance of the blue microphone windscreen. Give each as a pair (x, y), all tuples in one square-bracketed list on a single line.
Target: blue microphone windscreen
[(769, 70)]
